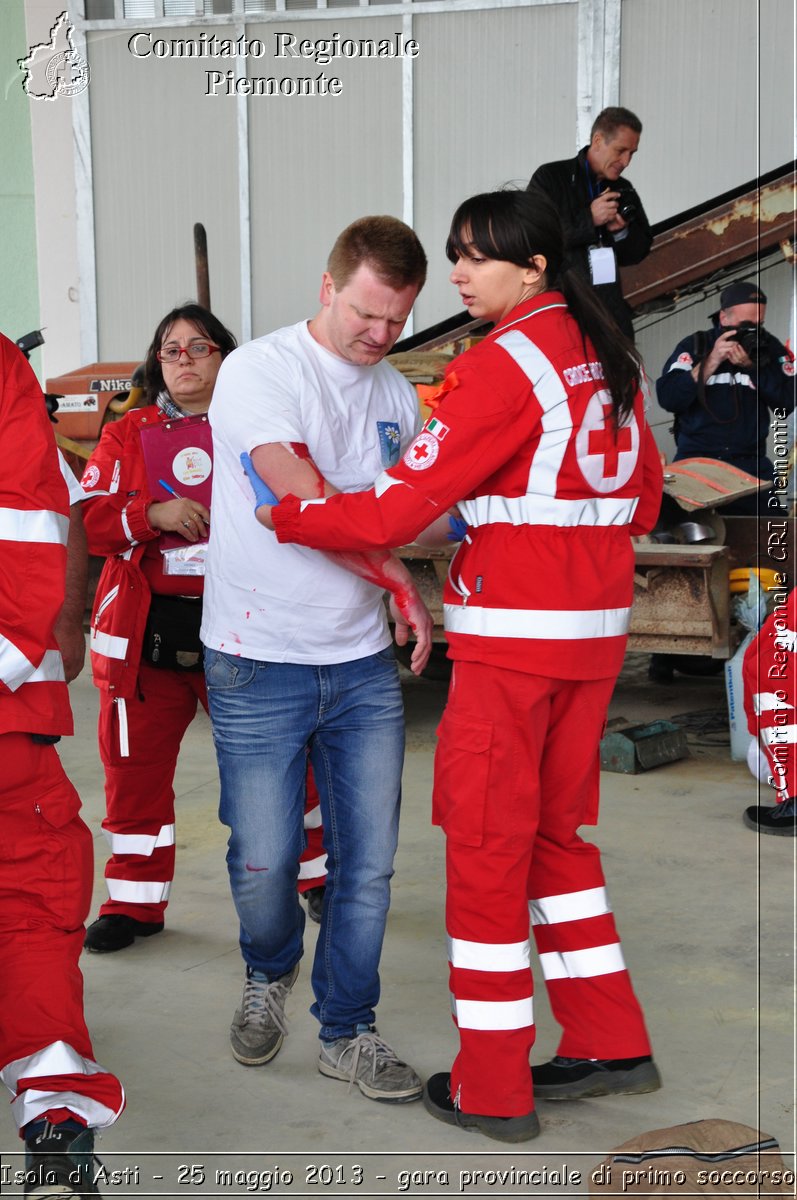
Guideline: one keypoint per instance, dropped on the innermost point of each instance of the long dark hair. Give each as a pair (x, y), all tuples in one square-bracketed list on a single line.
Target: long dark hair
[(514, 226), (205, 322)]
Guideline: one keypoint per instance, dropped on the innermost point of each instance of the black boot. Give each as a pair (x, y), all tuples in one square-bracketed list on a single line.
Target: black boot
[(780, 819)]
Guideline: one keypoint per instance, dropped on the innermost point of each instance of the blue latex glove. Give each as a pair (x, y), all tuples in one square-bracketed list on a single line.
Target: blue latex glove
[(458, 529), (263, 493)]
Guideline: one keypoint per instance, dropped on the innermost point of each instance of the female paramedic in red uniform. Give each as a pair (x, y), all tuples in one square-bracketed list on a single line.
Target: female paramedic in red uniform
[(540, 436), (142, 614)]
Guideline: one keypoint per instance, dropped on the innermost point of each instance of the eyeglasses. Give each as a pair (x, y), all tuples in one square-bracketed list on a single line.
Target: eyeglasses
[(170, 354)]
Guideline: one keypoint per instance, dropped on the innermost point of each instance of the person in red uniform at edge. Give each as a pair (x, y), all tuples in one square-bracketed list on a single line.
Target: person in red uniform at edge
[(540, 435), (769, 675), (60, 1093), (145, 708)]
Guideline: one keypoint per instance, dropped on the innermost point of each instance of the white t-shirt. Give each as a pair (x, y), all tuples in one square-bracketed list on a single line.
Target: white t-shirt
[(283, 603)]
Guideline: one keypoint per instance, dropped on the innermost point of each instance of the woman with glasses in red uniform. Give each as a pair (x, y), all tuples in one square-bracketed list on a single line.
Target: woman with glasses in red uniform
[(142, 614)]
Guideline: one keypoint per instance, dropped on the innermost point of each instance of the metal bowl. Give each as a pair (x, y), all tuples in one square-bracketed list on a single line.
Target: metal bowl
[(691, 533)]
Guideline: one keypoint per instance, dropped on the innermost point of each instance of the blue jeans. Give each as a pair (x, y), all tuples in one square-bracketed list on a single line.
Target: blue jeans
[(351, 716)]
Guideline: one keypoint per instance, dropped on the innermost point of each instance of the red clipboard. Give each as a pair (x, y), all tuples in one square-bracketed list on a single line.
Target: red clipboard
[(179, 453)]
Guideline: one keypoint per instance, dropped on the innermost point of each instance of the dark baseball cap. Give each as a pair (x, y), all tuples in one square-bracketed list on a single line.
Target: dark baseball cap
[(741, 293)]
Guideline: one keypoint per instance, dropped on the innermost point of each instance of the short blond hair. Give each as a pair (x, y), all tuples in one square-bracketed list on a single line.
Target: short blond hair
[(389, 247)]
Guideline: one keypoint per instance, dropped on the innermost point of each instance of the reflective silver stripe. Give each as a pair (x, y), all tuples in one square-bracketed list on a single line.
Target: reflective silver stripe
[(31, 1105), (768, 702), (50, 669), (108, 644), (15, 668), (583, 964), (570, 906), (727, 377), (539, 624), (312, 818), (59, 1058), (488, 956), (126, 527), (556, 421), (384, 482), (494, 1014), (140, 843), (120, 704), (779, 735), (39, 525), (76, 492), (548, 510), (681, 366), (313, 867), (138, 892)]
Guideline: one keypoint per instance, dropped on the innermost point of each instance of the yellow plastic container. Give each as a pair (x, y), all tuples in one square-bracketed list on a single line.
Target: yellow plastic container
[(739, 579)]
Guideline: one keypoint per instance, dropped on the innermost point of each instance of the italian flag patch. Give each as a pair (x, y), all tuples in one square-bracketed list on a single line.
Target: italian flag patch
[(437, 428)]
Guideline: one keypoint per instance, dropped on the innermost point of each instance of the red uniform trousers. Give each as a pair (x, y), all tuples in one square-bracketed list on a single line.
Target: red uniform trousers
[(313, 863), (139, 796), (46, 867), (516, 774), (139, 793)]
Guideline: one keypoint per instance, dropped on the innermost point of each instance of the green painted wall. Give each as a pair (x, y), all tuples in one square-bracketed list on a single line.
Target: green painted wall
[(19, 292)]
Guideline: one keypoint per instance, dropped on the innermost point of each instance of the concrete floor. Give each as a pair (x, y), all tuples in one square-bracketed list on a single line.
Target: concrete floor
[(705, 909)]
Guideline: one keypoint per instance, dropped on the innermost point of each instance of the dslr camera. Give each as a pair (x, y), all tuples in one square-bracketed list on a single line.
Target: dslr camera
[(754, 340), (628, 205)]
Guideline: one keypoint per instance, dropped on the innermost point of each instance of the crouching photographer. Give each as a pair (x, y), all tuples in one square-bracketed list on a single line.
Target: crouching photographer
[(724, 384)]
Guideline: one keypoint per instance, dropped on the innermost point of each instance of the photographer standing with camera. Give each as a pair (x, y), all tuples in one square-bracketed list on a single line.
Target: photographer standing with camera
[(722, 384), (602, 217)]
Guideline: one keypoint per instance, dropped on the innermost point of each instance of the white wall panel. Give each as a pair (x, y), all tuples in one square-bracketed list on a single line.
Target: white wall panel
[(317, 163), (495, 96), (164, 156), (689, 69)]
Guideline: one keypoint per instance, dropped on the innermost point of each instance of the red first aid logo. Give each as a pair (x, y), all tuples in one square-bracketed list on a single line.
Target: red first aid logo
[(422, 453)]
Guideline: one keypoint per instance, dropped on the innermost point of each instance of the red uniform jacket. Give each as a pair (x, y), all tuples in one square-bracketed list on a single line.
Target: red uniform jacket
[(523, 440), (34, 522), (116, 526)]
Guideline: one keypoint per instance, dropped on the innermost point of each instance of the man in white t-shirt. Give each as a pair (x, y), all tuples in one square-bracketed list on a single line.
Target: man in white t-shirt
[(298, 653)]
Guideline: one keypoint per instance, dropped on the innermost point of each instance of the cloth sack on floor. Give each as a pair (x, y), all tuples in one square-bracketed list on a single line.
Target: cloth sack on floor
[(704, 1158)]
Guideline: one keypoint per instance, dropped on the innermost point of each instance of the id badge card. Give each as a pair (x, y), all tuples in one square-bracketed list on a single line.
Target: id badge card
[(602, 265)]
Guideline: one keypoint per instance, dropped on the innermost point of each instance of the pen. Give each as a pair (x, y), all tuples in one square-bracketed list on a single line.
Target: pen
[(167, 487)]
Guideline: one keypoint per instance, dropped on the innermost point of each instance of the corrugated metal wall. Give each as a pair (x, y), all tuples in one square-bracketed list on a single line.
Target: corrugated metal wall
[(690, 69), (495, 96), (164, 156), (316, 164)]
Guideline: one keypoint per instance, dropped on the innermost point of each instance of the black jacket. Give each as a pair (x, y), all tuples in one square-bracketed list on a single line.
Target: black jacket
[(731, 421), (572, 187)]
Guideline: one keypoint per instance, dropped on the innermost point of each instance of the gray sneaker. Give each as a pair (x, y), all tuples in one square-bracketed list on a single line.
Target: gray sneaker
[(259, 1026), (369, 1061)]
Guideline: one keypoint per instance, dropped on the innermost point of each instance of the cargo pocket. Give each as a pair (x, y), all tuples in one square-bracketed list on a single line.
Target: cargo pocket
[(58, 887), (461, 776)]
